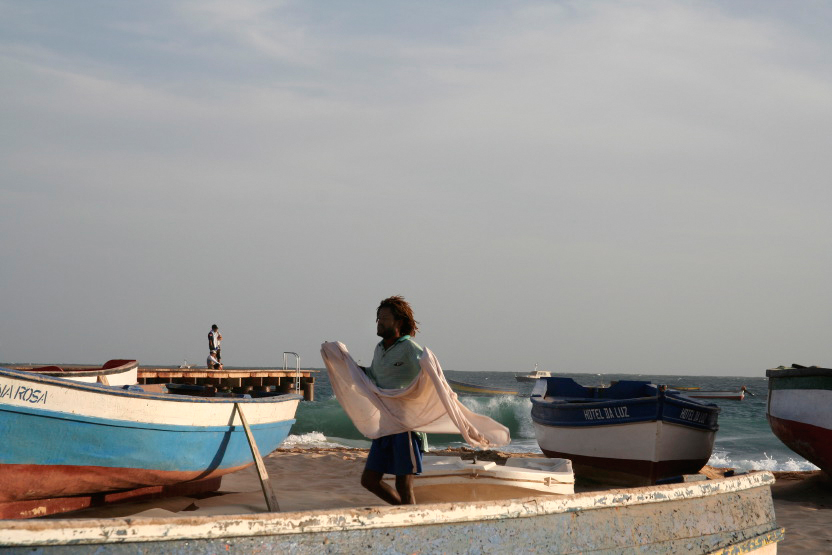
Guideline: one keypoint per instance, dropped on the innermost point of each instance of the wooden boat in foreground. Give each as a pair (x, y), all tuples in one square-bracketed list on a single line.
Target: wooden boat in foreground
[(112, 372), (799, 411), (65, 438), (726, 515), (632, 432)]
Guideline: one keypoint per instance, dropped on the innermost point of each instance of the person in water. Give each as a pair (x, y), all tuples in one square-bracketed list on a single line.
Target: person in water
[(395, 365)]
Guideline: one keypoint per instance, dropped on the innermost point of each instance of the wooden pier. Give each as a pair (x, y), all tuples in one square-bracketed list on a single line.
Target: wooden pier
[(238, 380)]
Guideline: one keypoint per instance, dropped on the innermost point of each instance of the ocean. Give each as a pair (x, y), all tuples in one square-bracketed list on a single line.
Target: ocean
[(744, 440)]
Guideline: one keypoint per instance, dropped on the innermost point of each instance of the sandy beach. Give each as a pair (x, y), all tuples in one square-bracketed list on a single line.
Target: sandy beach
[(316, 478)]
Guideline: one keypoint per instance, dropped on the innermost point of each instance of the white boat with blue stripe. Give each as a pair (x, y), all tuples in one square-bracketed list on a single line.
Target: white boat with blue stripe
[(65, 438), (631, 432)]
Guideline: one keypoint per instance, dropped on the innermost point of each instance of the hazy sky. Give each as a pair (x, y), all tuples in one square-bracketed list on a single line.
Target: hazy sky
[(592, 186)]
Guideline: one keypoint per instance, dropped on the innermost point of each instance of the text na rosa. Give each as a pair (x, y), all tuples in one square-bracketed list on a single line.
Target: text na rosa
[(23, 393)]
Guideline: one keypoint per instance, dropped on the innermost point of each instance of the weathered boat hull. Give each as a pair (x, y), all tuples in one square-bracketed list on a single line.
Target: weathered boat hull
[(452, 479), (617, 439), (727, 515), (67, 438), (799, 412)]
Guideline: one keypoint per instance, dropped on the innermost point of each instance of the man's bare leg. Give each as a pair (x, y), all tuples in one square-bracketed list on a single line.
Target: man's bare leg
[(372, 481), (404, 486)]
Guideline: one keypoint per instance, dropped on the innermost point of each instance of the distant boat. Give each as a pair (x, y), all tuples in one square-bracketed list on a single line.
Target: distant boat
[(66, 438), (799, 411), (632, 432), (463, 388), (533, 376), (112, 372), (696, 393)]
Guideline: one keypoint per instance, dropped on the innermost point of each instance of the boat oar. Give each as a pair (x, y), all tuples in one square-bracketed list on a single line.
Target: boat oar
[(265, 483)]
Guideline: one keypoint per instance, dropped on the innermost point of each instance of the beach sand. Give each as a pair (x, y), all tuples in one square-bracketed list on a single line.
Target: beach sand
[(320, 478)]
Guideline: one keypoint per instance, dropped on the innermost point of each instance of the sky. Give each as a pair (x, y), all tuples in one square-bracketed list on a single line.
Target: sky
[(590, 186)]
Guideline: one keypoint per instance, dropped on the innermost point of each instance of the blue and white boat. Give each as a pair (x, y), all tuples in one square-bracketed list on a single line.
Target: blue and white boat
[(632, 432), (65, 438)]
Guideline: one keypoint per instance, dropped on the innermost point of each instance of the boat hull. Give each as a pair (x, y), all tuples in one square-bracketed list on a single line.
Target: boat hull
[(452, 479), (632, 433), (733, 515), (600, 454), (66, 438), (799, 412)]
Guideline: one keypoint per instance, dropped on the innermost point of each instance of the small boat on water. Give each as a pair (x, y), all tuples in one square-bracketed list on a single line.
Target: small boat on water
[(533, 376), (67, 438), (731, 395), (799, 411), (112, 372), (632, 432), (463, 388)]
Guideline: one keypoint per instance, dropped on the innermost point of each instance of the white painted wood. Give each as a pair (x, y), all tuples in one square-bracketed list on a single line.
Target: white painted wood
[(92, 401), (810, 406), (637, 441)]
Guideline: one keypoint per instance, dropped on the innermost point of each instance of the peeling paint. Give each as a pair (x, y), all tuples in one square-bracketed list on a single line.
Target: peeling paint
[(704, 517)]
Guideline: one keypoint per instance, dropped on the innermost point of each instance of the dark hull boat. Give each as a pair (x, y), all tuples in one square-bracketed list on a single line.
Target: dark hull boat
[(632, 432)]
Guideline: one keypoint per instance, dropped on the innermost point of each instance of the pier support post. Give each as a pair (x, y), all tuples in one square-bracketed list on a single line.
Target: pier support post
[(308, 389)]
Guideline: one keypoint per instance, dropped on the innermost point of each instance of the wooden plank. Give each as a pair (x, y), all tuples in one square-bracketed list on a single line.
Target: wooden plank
[(54, 505), (265, 483)]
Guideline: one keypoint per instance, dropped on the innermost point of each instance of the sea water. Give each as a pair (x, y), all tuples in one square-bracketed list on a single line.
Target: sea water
[(744, 440)]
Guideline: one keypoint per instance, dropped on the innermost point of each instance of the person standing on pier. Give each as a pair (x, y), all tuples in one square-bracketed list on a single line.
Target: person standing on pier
[(214, 340), (395, 365)]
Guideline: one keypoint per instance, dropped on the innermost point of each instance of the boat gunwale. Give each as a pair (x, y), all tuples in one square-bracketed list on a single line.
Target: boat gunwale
[(802, 372), (125, 391), (564, 406), (79, 372)]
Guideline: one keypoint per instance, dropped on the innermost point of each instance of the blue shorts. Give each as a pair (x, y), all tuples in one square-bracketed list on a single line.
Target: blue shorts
[(397, 454)]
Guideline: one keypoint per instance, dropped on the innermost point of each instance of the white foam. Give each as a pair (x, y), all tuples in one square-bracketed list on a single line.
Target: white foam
[(311, 439), (722, 460)]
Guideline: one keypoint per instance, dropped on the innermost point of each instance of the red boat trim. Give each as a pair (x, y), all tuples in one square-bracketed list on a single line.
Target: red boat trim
[(810, 442), (20, 482), (43, 507)]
